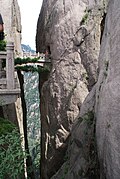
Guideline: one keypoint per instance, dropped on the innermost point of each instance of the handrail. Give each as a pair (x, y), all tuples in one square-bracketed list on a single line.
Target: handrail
[(10, 66), (9, 86), (8, 55)]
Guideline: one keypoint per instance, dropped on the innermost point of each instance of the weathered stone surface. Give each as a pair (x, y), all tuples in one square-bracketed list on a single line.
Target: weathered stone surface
[(81, 157), (71, 31), (108, 98), (12, 22), (12, 27), (106, 104)]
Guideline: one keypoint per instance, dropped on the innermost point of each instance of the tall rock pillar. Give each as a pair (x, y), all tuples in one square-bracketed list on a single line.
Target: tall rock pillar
[(71, 31)]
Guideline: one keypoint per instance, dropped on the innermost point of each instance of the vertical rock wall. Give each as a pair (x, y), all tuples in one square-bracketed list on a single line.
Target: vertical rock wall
[(12, 26), (107, 96), (12, 22), (71, 31), (104, 98)]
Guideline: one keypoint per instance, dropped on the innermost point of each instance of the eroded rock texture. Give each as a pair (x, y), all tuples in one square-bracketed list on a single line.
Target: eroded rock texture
[(71, 30), (12, 22), (105, 102), (12, 27), (107, 96)]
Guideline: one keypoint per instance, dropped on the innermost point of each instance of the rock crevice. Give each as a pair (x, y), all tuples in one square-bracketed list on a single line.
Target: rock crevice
[(72, 31)]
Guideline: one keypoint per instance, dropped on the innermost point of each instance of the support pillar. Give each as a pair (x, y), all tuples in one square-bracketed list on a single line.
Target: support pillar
[(10, 65)]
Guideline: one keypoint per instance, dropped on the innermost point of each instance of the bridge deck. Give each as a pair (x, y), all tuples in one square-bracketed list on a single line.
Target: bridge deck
[(9, 86)]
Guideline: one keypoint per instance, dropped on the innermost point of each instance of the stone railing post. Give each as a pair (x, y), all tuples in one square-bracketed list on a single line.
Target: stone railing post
[(10, 65), (0, 68)]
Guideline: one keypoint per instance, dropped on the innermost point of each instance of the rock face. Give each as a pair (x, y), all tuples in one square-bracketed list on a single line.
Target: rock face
[(104, 98), (12, 26), (81, 159), (106, 106), (107, 96), (72, 32), (12, 22)]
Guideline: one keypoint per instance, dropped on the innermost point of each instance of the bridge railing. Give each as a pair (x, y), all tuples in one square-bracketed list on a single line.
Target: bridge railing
[(42, 56), (33, 55), (7, 74)]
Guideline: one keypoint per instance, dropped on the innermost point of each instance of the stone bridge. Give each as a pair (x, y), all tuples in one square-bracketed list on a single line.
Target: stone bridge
[(9, 85)]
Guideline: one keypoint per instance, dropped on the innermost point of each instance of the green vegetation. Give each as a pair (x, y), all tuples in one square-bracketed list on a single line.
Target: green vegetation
[(11, 153), (2, 45), (85, 76), (20, 61), (106, 68), (29, 68), (106, 65), (65, 170), (31, 81), (5, 126), (85, 17), (88, 117), (92, 168)]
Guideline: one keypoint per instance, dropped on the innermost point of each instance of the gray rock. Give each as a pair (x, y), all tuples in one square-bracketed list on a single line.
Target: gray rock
[(71, 32), (12, 27), (107, 97), (81, 158), (12, 23)]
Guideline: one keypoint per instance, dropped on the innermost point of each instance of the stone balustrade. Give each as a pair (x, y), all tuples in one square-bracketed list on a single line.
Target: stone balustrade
[(9, 88)]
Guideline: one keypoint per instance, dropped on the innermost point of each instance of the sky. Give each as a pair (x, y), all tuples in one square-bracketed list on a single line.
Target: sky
[(29, 16)]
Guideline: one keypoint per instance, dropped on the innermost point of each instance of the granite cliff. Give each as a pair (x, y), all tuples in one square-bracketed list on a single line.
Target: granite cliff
[(93, 147), (94, 144), (107, 96), (12, 26), (80, 97), (12, 22), (71, 32)]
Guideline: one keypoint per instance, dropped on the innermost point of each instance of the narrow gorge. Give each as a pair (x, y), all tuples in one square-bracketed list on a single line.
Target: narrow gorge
[(78, 97)]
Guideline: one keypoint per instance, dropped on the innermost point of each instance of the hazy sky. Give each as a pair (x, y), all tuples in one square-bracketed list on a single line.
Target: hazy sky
[(29, 15)]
